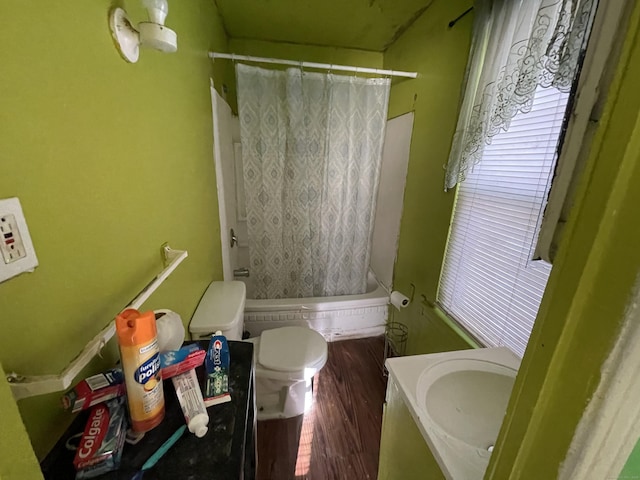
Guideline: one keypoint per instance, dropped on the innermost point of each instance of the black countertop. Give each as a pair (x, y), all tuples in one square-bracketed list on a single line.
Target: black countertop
[(227, 451)]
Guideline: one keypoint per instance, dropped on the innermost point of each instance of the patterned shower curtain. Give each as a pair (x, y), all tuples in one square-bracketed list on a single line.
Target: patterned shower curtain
[(311, 152)]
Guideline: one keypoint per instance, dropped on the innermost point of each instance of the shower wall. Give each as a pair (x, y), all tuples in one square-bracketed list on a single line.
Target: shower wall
[(228, 162), (393, 175)]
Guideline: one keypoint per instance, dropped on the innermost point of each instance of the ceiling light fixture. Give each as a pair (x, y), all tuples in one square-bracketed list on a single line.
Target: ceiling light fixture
[(149, 34)]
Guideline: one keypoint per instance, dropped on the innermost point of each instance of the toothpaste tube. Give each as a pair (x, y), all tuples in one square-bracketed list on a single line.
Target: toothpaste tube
[(100, 448), (217, 367), (175, 362), (93, 390), (191, 402)]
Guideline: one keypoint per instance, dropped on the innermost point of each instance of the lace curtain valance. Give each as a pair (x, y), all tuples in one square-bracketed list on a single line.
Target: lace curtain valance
[(517, 45)]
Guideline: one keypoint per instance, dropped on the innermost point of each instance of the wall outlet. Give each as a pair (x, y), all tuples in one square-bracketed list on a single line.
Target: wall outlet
[(10, 239), (17, 254)]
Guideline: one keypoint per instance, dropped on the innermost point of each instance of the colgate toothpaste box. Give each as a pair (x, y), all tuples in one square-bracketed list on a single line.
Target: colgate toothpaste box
[(100, 448), (95, 389)]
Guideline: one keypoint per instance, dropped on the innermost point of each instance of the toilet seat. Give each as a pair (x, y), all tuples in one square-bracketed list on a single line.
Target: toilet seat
[(285, 360), (292, 349)]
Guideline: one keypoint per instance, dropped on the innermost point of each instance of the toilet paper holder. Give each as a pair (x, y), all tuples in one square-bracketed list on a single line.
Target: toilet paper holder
[(399, 300)]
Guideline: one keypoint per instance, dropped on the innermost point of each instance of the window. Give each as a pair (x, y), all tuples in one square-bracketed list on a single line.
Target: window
[(489, 283)]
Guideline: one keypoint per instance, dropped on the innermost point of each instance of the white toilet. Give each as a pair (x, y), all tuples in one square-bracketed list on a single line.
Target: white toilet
[(286, 358)]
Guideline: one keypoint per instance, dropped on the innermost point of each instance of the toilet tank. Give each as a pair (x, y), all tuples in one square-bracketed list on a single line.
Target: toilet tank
[(220, 308)]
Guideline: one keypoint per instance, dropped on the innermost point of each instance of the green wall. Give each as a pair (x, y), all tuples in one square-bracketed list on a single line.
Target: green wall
[(439, 54), (18, 460), (309, 53), (110, 160), (631, 469), (404, 454)]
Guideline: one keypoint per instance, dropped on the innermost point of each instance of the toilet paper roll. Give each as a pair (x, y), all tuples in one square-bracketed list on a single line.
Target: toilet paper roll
[(399, 300), (170, 330)]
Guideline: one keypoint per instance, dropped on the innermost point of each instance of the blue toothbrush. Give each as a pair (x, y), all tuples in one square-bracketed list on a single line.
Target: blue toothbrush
[(153, 459)]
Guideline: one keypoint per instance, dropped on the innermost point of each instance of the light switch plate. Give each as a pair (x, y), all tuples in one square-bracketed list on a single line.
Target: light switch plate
[(17, 254)]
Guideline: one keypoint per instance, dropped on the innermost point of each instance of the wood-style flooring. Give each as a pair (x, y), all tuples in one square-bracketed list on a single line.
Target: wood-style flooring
[(339, 438)]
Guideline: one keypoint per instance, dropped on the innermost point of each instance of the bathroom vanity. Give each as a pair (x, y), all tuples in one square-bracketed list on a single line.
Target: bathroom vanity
[(443, 413), (404, 454), (227, 451)]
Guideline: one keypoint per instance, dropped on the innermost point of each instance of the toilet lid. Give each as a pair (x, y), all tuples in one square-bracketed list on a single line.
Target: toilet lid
[(290, 349)]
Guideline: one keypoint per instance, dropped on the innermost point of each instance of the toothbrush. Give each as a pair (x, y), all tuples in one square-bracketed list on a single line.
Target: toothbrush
[(153, 459)]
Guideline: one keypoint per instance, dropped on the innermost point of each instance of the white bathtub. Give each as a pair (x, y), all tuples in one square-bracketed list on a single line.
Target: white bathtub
[(336, 318)]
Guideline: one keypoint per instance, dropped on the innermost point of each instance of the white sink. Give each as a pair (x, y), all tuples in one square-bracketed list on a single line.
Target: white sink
[(466, 399), (458, 401)]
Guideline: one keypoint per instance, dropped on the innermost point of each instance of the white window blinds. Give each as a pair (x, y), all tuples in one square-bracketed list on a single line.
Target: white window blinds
[(488, 282)]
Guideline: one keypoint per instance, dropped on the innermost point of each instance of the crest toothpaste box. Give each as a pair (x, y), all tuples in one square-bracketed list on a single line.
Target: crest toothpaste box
[(175, 362), (217, 368)]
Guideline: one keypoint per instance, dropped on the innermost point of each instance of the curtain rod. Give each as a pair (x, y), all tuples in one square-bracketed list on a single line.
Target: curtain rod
[(324, 66), (455, 20)]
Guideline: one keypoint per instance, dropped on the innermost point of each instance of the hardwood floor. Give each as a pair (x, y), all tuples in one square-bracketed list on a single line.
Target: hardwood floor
[(339, 438)]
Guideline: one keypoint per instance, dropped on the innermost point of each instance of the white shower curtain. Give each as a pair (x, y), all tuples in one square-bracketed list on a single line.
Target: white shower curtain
[(311, 151)]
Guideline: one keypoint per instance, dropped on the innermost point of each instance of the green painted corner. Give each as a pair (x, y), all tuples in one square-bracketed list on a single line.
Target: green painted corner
[(439, 55)]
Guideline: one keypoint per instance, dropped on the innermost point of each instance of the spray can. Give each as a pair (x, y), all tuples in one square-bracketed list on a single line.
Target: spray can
[(137, 338)]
